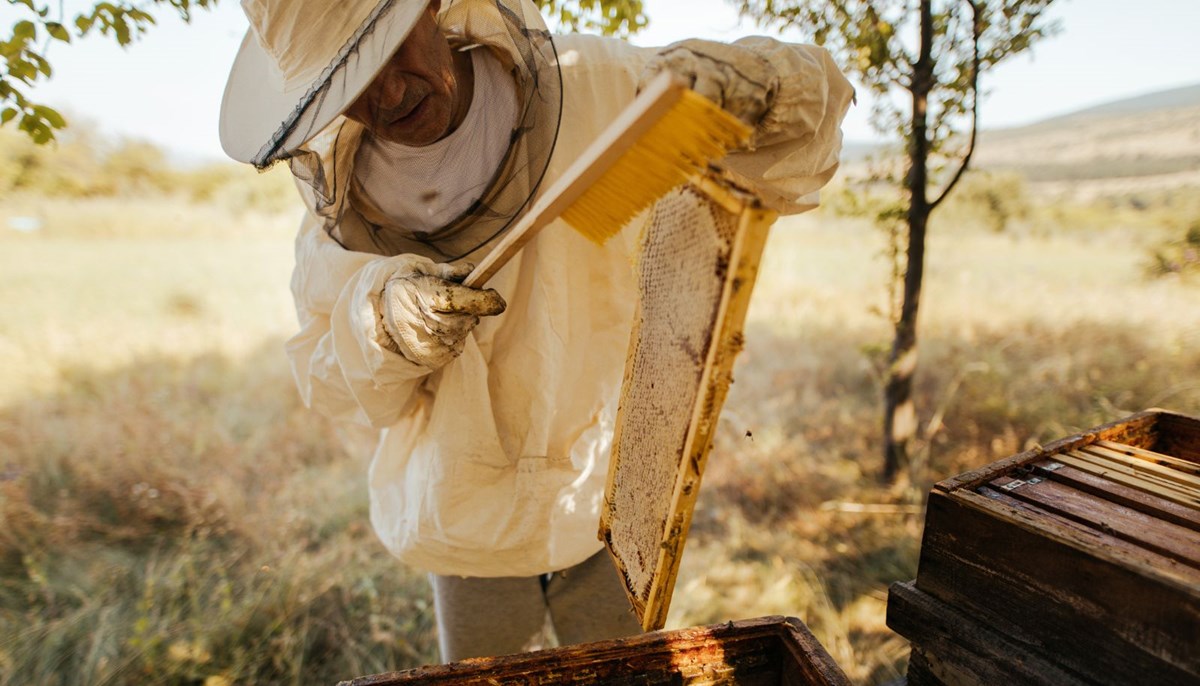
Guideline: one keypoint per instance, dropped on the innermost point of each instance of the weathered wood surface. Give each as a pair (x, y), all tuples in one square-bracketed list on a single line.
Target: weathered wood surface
[(697, 268), (1170, 477), (1103, 607), (1162, 431), (1186, 466), (1086, 553), (955, 650), (1139, 430), (1109, 489), (920, 672), (768, 650), (1125, 523), (1178, 436), (1129, 476)]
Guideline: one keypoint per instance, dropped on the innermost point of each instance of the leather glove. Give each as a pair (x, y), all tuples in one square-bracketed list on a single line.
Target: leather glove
[(740, 80), (426, 314)]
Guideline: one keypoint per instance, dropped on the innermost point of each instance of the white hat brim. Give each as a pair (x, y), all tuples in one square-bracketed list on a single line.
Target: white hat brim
[(257, 112)]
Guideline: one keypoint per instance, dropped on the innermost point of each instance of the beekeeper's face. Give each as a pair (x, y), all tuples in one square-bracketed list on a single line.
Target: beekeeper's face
[(418, 96)]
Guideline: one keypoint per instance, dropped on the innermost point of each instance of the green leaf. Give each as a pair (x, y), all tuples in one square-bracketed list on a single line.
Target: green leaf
[(58, 31), (7, 115), (22, 70), (84, 23), (50, 115), (121, 26), (40, 63), (24, 30), (140, 17)]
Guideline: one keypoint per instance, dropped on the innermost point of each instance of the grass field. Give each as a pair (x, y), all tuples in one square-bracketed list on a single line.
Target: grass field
[(172, 515)]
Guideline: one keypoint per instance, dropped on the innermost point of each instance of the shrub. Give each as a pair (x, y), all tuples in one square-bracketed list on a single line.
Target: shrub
[(993, 200), (1178, 256)]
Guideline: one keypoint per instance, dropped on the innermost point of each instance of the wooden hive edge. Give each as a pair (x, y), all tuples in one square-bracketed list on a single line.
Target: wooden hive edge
[(958, 649), (979, 555), (570, 664), (1142, 426), (1176, 425), (1069, 535)]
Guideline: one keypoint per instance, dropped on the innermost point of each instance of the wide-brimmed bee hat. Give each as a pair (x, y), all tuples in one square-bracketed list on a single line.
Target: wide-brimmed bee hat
[(304, 62), (301, 64)]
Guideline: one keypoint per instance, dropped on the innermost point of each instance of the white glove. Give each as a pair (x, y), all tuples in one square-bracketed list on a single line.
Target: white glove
[(425, 315), (740, 80)]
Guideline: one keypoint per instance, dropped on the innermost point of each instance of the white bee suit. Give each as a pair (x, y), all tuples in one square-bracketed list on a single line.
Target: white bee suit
[(494, 465)]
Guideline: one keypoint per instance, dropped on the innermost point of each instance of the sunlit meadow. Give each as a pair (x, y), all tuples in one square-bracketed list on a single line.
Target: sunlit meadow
[(171, 514)]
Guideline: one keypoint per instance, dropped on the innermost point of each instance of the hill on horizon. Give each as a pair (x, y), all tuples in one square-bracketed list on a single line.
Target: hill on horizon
[(1171, 98), (1150, 141), (1145, 142)]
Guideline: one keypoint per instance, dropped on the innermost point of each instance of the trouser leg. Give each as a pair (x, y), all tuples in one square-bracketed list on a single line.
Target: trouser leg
[(588, 603), (488, 616)]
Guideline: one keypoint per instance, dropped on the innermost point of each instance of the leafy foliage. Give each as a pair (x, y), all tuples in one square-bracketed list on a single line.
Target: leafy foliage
[(85, 165), (24, 50), (995, 200), (875, 40), (609, 17), (1180, 256), (930, 53), (25, 60)]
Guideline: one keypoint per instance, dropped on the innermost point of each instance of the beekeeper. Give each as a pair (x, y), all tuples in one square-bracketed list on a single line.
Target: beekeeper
[(417, 132)]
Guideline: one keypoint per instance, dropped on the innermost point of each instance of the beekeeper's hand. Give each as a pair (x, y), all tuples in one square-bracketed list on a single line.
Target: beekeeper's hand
[(426, 314), (740, 80)]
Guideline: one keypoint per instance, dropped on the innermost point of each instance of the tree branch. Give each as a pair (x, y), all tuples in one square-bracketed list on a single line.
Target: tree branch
[(999, 50), (976, 36)]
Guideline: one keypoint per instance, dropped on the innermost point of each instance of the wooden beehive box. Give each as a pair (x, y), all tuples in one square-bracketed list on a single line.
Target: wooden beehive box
[(759, 652), (1074, 563)]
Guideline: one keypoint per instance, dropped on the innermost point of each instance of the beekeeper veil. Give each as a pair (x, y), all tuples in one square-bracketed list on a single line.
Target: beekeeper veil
[(303, 62)]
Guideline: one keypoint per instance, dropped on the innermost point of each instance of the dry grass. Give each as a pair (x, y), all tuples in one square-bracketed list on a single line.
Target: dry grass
[(170, 513), (172, 516)]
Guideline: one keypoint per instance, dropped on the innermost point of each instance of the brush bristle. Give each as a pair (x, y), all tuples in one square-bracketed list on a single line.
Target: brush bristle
[(694, 132)]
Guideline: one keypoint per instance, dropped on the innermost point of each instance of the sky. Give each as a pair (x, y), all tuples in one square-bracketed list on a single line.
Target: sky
[(167, 86)]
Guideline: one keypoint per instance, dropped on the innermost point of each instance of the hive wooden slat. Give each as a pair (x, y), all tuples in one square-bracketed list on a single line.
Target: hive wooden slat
[(1182, 465), (1128, 524), (1177, 477), (958, 650), (1128, 476), (1114, 491)]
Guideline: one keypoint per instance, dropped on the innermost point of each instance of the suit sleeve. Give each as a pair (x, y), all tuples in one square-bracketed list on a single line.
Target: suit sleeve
[(339, 366), (798, 142)]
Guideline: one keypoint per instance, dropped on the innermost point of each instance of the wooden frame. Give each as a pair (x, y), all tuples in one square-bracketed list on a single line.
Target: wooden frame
[(768, 650), (724, 342)]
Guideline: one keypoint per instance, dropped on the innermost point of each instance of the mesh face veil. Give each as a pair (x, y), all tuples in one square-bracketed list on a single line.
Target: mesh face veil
[(516, 34)]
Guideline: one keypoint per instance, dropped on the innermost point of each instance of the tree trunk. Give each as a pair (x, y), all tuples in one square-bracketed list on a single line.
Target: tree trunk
[(899, 413)]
